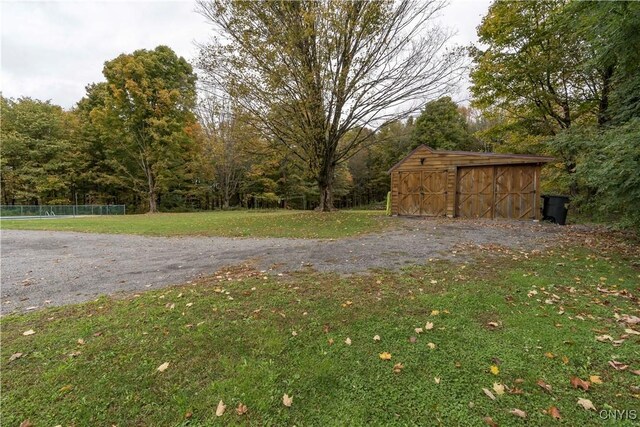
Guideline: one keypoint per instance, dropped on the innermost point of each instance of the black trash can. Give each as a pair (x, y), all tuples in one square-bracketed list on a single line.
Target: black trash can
[(555, 209)]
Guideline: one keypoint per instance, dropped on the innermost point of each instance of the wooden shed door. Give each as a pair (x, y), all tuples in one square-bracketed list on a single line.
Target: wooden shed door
[(515, 192), (423, 193), (475, 192), (497, 192)]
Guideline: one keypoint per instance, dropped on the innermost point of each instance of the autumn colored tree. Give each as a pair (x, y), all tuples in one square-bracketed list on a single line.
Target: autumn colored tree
[(146, 112), (225, 139), (532, 68), (309, 72)]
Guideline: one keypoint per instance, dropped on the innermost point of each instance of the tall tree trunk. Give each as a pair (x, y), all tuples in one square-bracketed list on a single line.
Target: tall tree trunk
[(153, 197), (325, 185), (153, 208)]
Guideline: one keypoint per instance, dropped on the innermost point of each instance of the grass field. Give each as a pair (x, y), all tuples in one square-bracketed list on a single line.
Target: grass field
[(243, 338), (281, 223)]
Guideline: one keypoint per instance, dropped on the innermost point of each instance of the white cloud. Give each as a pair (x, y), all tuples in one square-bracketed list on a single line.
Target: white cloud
[(52, 50)]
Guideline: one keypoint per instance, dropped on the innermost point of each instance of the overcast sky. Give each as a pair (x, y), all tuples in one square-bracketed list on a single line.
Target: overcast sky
[(52, 49)]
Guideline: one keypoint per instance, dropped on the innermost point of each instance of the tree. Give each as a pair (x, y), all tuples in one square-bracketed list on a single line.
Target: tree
[(532, 68), (442, 126), (225, 139), (311, 71), (612, 32), (39, 154), (535, 73), (146, 112)]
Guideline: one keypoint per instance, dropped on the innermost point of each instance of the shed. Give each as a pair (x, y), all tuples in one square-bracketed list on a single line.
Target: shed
[(466, 184)]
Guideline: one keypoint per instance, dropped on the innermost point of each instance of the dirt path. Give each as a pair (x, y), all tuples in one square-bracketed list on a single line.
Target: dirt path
[(42, 268)]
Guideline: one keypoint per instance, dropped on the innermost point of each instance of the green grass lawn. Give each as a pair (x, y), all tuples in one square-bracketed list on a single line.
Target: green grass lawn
[(281, 223), (244, 338)]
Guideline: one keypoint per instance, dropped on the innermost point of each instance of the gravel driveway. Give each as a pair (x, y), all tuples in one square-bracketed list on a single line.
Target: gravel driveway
[(42, 268)]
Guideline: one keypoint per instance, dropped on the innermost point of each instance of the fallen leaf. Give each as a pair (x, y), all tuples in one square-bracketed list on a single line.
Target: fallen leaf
[(294, 333), (398, 367), (436, 380), (489, 421), (188, 415), (635, 372), (565, 360), (287, 401), (330, 341), (546, 387), (419, 330), (428, 326), (325, 329), (66, 388), (376, 338), (431, 345), (494, 370), (413, 340), (29, 332), (586, 404), (518, 413), (618, 366), (241, 409), (80, 341), (385, 356), (549, 355), (26, 423), (347, 341), (578, 383), (554, 413), (435, 312), (595, 379), (631, 331), (163, 367), (498, 388), (220, 409), (489, 394), (15, 356), (604, 338), (493, 325), (75, 353)]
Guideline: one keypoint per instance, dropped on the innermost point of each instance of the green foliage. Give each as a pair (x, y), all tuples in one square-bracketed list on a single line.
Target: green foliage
[(533, 68), (441, 126), (611, 169), (40, 155), (562, 78), (368, 167), (144, 114)]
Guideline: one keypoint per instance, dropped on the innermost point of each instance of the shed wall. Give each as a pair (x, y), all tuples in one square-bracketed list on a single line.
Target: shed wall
[(431, 183)]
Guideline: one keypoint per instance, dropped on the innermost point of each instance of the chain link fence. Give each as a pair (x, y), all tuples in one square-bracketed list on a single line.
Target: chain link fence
[(60, 210)]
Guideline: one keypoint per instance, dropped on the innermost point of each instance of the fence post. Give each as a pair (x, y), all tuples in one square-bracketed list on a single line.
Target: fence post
[(39, 210), (124, 209)]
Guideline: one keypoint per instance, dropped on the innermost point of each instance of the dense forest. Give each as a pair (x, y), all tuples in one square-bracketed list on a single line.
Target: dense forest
[(560, 78)]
